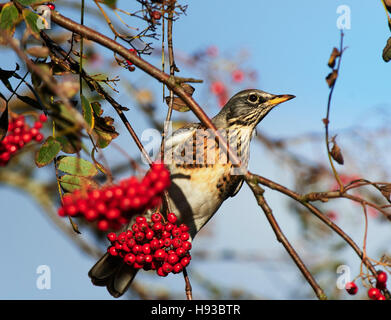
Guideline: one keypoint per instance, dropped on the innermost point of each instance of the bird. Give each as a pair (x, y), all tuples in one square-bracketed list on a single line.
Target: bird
[(202, 175)]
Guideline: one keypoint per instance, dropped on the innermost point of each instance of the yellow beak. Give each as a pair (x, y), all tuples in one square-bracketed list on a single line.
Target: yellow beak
[(280, 99)]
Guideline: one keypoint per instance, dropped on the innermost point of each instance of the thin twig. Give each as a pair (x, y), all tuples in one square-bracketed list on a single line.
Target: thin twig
[(259, 195)]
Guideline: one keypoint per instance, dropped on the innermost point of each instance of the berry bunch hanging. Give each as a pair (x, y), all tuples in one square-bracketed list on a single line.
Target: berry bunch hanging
[(373, 293), (153, 245), (112, 206), (19, 134)]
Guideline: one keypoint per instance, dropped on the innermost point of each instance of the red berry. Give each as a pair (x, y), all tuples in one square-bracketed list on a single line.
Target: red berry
[(156, 15), (149, 235), (161, 272), (158, 226), (176, 242), (34, 131), (180, 251), (140, 219), (112, 251), (130, 258), (374, 293), (169, 226), (39, 137), (103, 225), (218, 88), (148, 258), (177, 268), (154, 244), (122, 237), (184, 228), (146, 248), (137, 249), (61, 212), (112, 236), (186, 245), (43, 117), (140, 258), (185, 236), (113, 213), (185, 261), (139, 236), (381, 297), (167, 242), (351, 288), (51, 6), (381, 277), (176, 232), (38, 125), (156, 217), (171, 217), (237, 76), (172, 258), (160, 255), (27, 137), (71, 210), (167, 267), (91, 215)]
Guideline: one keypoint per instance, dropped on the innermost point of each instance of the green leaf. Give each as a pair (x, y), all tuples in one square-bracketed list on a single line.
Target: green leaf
[(28, 2), (47, 152), (8, 17), (387, 51), (77, 166), (71, 183), (32, 21), (88, 113)]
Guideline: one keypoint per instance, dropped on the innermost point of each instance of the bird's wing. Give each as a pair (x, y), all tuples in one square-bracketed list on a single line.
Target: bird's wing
[(180, 136), (237, 188)]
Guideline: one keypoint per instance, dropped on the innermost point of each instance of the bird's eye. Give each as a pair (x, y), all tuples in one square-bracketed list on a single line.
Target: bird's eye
[(253, 98)]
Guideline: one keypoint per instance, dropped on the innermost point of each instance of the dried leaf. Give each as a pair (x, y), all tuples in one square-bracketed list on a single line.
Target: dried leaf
[(334, 55), (387, 51), (188, 88), (331, 78), (336, 153), (178, 104)]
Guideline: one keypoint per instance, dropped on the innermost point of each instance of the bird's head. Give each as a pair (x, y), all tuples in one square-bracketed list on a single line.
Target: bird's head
[(247, 108)]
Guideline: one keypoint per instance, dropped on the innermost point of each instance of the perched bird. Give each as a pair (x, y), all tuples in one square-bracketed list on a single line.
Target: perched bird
[(202, 176)]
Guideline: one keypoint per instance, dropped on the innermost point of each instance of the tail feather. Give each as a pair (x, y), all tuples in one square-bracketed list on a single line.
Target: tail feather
[(113, 273)]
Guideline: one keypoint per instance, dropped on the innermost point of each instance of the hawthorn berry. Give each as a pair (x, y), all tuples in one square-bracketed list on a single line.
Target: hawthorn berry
[(381, 277), (156, 15), (374, 293), (351, 288)]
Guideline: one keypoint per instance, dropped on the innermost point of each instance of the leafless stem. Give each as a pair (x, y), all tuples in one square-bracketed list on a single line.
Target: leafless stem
[(259, 195)]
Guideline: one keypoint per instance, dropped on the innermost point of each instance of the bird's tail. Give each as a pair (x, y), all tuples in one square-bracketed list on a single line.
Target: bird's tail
[(112, 273)]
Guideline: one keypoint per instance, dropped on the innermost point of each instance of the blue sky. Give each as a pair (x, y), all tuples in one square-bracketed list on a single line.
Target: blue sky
[(290, 43)]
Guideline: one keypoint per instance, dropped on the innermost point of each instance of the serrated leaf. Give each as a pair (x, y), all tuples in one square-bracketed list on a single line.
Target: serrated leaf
[(31, 19), (71, 183), (387, 51), (88, 113), (47, 152), (8, 17), (4, 123), (77, 166)]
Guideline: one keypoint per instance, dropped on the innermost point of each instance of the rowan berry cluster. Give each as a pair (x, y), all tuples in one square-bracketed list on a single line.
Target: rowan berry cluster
[(153, 245), (112, 206), (373, 293), (19, 134)]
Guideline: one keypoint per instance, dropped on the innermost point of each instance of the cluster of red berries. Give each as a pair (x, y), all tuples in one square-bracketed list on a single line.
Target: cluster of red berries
[(19, 134), (112, 206), (373, 293), (153, 245)]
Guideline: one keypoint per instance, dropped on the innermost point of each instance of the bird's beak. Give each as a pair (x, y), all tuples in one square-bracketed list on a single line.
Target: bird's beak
[(280, 99)]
